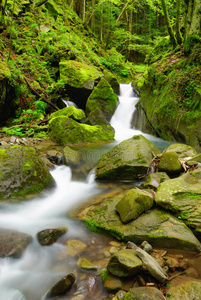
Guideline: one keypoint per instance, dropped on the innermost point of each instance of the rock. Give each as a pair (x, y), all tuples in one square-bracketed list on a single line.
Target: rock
[(75, 247), (85, 264), (71, 157), (154, 179), (112, 80), (182, 150), (171, 262), (78, 75), (69, 112), (126, 161), (120, 294), (96, 117), (161, 229), (151, 264), (13, 243), (61, 286), (7, 92), (124, 263), (54, 156), (188, 289), (65, 131), (22, 172), (191, 272), (169, 163), (147, 247), (182, 195), (133, 204), (48, 163), (92, 287), (112, 283), (144, 293), (104, 98), (50, 236), (196, 158)]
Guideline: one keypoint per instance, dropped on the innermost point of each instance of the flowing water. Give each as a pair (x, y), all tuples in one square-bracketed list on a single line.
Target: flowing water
[(41, 267)]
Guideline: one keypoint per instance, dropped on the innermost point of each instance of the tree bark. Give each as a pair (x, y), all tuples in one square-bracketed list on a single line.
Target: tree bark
[(178, 16), (169, 27)]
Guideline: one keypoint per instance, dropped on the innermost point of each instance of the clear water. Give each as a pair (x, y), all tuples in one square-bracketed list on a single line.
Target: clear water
[(30, 276)]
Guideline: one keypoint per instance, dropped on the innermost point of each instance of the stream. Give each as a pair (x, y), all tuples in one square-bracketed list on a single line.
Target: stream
[(42, 266)]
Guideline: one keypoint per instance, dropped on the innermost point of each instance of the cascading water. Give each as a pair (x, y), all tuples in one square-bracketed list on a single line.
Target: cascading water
[(30, 276)]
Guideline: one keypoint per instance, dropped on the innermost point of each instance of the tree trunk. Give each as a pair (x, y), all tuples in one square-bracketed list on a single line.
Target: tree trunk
[(169, 27), (196, 18), (178, 32)]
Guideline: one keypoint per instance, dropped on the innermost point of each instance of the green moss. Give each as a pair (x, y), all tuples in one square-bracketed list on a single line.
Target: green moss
[(70, 112)]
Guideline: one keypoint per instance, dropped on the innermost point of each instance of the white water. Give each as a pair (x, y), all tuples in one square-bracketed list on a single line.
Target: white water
[(32, 274)]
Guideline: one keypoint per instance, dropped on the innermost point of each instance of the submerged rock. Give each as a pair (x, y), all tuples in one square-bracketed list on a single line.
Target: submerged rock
[(13, 243), (128, 160), (22, 172), (71, 157), (124, 263), (182, 195), (61, 286), (133, 204), (49, 236), (104, 98)]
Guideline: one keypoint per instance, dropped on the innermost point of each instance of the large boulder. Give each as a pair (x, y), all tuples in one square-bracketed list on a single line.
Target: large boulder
[(7, 93), (182, 150), (103, 97), (182, 195), (79, 79), (64, 130), (185, 288), (161, 229), (96, 117), (133, 204), (13, 243), (22, 172), (128, 160)]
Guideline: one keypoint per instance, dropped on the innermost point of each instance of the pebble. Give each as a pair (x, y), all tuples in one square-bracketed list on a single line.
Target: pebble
[(113, 250)]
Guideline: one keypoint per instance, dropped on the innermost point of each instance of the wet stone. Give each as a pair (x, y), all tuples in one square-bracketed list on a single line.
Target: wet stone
[(49, 236), (61, 286)]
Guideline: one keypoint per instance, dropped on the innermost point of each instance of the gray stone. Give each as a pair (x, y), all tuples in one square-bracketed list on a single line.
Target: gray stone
[(154, 179), (182, 195), (169, 163), (190, 289), (182, 150), (124, 263), (13, 243), (127, 161), (144, 293), (133, 204)]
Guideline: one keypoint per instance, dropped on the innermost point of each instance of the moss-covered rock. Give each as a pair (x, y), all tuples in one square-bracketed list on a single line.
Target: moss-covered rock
[(70, 112), (182, 195), (64, 130), (144, 293), (103, 97), (124, 263), (169, 163), (189, 289), (154, 179), (96, 117), (22, 171), (7, 93), (78, 75), (182, 150), (71, 157), (126, 161), (13, 243), (161, 229), (133, 204), (112, 80)]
